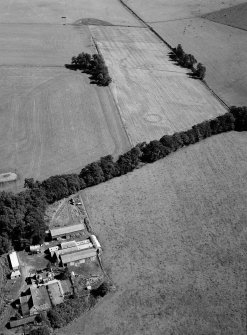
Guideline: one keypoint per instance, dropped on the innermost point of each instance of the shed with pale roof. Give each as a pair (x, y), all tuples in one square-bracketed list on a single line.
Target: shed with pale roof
[(78, 257), (14, 260), (63, 231)]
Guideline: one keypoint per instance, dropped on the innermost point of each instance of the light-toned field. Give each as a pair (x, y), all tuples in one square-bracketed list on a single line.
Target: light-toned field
[(154, 96), (173, 235), (52, 12), (40, 44), (165, 10), (53, 121), (235, 16), (222, 49)]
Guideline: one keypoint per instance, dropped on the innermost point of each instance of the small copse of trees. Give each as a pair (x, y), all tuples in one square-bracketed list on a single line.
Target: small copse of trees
[(189, 61), (94, 65)]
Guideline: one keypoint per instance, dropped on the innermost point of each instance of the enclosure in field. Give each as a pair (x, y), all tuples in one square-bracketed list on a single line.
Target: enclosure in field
[(174, 240), (154, 96), (53, 121)]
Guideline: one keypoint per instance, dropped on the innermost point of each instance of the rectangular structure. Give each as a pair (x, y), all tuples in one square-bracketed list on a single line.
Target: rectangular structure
[(41, 300), (23, 321), (15, 274), (14, 260), (63, 231), (78, 257), (66, 245)]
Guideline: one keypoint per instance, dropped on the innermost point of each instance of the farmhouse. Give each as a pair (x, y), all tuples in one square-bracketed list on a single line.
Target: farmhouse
[(14, 260), (40, 300), (15, 274), (64, 231), (79, 257), (55, 292)]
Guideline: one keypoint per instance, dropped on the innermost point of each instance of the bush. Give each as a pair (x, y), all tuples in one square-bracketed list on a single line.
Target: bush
[(102, 290)]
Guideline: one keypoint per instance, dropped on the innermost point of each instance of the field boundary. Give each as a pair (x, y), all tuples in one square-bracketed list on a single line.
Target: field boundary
[(170, 47), (116, 104)]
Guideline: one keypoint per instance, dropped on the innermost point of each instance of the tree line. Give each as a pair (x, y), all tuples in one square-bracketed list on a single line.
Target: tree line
[(93, 65), (188, 61), (22, 215)]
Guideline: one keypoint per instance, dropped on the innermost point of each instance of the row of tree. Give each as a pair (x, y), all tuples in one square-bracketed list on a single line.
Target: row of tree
[(22, 215), (94, 65), (189, 61)]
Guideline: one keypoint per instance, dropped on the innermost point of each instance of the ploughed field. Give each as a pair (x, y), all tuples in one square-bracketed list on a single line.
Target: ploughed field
[(173, 235), (218, 45), (154, 96)]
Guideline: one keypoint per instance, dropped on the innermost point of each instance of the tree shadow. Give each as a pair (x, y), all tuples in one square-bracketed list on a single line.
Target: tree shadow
[(92, 76)]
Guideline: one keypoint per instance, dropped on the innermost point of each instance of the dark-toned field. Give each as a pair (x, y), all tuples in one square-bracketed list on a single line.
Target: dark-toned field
[(235, 16)]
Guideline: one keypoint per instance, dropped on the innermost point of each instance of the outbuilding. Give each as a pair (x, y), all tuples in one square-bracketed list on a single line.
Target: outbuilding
[(15, 274), (14, 260), (67, 230), (79, 257)]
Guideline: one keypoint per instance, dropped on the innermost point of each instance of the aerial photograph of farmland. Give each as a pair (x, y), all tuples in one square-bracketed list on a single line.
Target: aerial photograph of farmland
[(123, 167)]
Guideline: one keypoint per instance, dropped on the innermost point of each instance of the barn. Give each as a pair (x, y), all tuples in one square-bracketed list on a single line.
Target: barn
[(79, 257)]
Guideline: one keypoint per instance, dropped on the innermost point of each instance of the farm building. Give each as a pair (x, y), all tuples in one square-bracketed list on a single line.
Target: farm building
[(14, 260), (78, 257), (85, 244), (15, 274), (55, 292), (53, 249), (21, 322), (26, 304), (44, 277), (66, 245), (40, 300), (35, 248), (63, 231)]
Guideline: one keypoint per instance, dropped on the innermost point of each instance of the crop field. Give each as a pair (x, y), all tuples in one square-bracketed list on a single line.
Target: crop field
[(53, 121), (154, 96), (221, 48), (53, 12), (173, 235)]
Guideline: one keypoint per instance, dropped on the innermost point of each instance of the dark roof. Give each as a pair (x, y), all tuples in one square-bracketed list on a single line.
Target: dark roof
[(40, 296), (23, 321)]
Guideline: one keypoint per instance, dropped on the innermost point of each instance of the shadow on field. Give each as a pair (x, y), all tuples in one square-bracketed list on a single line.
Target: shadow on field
[(175, 61)]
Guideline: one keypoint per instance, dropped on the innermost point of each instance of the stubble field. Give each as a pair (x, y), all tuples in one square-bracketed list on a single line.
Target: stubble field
[(53, 121), (154, 96), (221, 48), (173, 235)]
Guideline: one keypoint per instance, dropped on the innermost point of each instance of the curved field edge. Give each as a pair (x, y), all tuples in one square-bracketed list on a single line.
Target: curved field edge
[(174, 241)]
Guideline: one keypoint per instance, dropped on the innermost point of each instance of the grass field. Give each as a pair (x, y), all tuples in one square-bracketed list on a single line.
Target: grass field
[(154, 96), (53, 121), (222, 49), (173, 235), (52, 12)]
